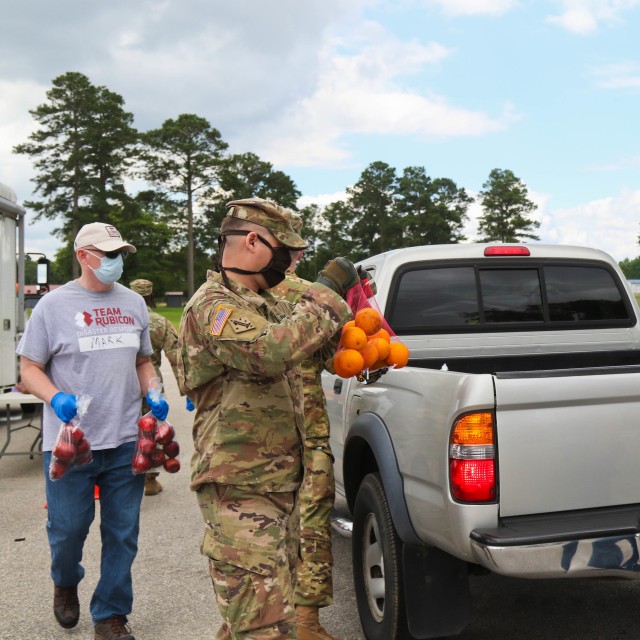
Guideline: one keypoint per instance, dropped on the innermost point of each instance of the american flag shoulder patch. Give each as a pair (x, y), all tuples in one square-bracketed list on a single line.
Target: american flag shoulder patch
[(220, 318)]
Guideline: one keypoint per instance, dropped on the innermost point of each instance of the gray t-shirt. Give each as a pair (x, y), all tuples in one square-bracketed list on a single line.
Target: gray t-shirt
[(89, 342)]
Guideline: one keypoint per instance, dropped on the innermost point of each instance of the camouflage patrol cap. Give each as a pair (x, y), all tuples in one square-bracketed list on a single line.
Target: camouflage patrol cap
[(267, 214), (141, 286), (294, 220)]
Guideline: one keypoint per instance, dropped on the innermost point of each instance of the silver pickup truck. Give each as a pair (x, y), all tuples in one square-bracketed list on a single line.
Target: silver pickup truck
[(509, 444)]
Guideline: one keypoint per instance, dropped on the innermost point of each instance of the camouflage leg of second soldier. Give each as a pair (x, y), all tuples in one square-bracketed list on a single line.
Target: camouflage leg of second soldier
[(314, 585), (246, 542), (293, 539)]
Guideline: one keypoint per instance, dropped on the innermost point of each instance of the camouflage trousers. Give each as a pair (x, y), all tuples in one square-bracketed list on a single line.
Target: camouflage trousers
[(247, 542), (316, 498)]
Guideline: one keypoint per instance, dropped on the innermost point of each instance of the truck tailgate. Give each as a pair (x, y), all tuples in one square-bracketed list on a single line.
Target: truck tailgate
[(568, 439)]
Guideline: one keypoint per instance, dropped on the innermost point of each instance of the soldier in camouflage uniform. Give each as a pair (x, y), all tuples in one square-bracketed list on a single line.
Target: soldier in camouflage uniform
[(164, 337), (314, 588), (239, 351)]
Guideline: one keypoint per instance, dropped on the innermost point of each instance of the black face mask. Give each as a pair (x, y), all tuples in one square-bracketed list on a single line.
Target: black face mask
[(275, 271)]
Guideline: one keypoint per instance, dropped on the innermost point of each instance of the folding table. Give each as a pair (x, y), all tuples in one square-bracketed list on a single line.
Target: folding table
[(13, 399)]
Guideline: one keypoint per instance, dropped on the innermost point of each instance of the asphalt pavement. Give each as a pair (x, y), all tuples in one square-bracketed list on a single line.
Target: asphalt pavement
[(173, 593)]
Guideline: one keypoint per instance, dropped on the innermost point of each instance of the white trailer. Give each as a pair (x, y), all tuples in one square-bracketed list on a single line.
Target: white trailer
[(11, 284)]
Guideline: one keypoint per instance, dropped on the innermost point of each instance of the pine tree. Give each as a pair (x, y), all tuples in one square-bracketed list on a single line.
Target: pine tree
[(431, 211), (506, 208), (182, 158), (245, 175), (81, 154), (373, 226)]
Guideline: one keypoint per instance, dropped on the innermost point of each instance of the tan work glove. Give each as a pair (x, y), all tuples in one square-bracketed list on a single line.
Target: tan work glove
[(339, 275)]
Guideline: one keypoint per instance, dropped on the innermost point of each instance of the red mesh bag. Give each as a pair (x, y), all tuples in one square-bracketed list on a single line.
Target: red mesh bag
[(364, 347), (361, 296)]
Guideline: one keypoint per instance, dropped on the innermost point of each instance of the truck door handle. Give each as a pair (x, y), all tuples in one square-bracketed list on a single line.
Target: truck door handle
[(337, 386)]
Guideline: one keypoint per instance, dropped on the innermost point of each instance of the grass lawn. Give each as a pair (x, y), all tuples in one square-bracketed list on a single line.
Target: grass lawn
[(173, 314)]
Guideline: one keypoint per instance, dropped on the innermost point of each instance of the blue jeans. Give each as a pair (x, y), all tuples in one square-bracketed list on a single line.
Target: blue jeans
[(71, 510)]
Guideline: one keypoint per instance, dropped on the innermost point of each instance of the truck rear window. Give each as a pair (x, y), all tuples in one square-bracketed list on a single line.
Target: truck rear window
[(476, 298)]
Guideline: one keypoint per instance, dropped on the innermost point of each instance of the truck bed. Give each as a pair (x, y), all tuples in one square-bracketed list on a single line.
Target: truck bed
[(547, 362)]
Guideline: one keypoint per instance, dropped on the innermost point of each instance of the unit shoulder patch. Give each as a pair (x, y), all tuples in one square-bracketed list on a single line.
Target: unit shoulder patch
[(241, 324)]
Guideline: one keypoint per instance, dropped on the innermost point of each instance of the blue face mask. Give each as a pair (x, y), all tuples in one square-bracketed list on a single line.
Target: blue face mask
[(110, 269)]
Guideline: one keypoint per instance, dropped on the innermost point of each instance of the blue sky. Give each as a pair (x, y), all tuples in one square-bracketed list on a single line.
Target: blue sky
[(546, 88)]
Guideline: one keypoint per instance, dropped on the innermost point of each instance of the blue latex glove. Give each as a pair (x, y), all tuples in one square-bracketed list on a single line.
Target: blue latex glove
[(190, 405), (159, 406), (65, 405)]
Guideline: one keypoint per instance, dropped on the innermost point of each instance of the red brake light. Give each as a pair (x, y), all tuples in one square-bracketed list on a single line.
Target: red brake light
[(473, 480), (507, 250), (472, 465)]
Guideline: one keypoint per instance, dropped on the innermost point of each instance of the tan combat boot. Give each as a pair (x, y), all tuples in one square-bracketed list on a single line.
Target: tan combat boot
[(308, 624), (151, 485)]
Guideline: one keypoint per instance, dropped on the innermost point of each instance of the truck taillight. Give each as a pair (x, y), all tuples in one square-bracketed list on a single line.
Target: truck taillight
[(507, 250), (472, 473)]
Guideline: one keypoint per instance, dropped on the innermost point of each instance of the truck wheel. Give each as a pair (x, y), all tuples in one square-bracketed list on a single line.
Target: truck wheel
[(377, 565)]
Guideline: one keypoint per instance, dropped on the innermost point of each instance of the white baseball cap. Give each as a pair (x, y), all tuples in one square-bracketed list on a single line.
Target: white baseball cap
[(104, 237)]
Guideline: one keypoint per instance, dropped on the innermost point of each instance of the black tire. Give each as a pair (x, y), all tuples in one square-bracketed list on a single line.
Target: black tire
[(377, 565)]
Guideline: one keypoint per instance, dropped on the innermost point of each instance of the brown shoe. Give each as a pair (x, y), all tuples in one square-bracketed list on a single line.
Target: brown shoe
[(66, 607), (151, 485), (308, 624), (113, 628)]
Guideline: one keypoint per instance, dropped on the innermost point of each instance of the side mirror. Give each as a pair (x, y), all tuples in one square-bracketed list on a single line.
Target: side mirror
[(42, 271)]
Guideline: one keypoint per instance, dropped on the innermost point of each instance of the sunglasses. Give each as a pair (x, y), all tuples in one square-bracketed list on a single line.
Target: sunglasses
[(115, 254), (111, 254)]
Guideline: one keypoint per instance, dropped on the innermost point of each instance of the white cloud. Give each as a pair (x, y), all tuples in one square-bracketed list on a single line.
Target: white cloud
[(608, 224), (322, 199), (15, 126), (474, 7), (361, 92), (620, 75), (584, 16), (291, 90), (632, 162)]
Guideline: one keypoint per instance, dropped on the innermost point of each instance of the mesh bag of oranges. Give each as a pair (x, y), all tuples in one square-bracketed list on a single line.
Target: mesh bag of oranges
[(367, 342)]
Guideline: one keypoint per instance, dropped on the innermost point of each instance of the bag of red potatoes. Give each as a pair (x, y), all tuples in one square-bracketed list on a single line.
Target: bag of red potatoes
[(71, 449)]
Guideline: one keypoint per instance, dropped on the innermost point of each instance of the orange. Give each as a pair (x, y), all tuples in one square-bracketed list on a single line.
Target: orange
[(379, 364), (382, 346), (351, 323), (347, 363), (369, 320), (398, 355), (383, 333), (354, 338), (370, 355)]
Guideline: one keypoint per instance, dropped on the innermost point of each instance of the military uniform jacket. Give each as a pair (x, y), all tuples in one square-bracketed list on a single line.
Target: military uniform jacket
[(163, 338), (238, 360), (315, 416)]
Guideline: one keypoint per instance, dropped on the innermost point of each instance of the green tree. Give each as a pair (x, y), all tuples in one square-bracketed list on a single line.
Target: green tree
[(372, 224), (112, 152), (80, 152), (323, 229), (240, 176), (430, 211), (182, 158), (631, 268), (506, 209)]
